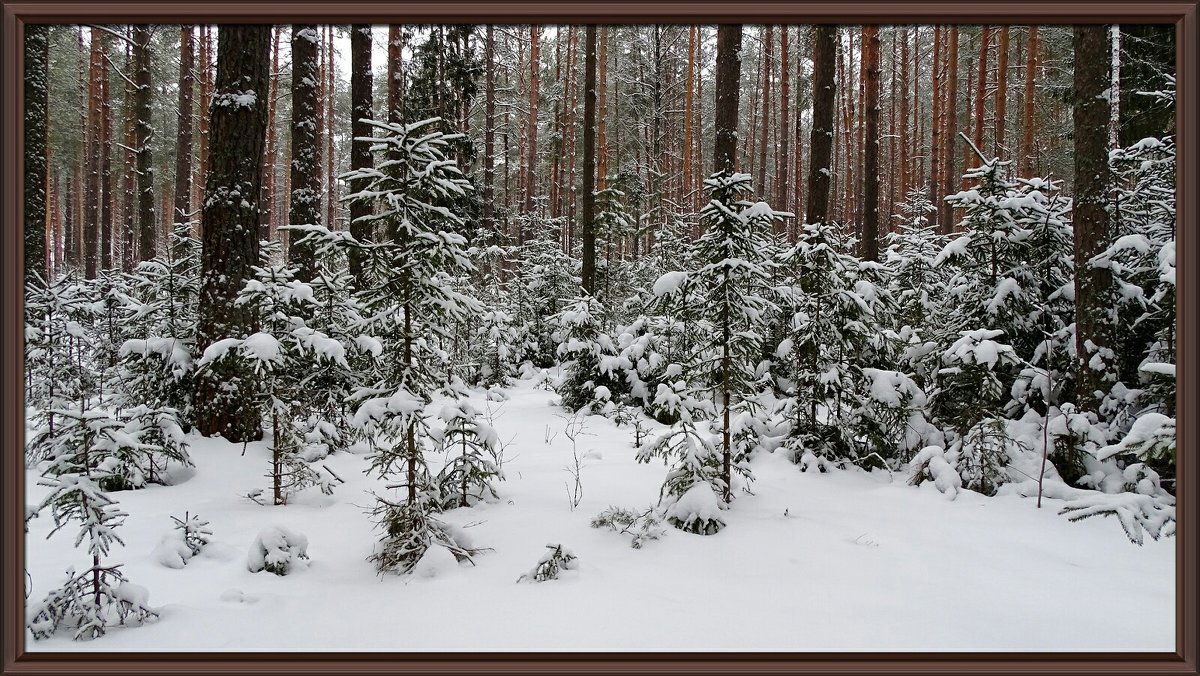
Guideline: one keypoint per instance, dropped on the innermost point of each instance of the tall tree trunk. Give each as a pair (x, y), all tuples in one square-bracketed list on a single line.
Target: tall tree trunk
[(360, 151), (531, 128), (785, 119), (37, 63), (870, 215), (950, 131), (728, 88), (306, 159), (602, 113), (1031, 61), (824, 89), (93, 194), (985, 40), (395, 74), (489, 132), (936, 154), (587, 215), (108, 194), (906, 138), (1001, 104), (230, 218), (146, 227), (688, 113), (331, 191), (202, 127), (1093, 284), (183, 148), (266, 227), (127, 197), (766, 110)]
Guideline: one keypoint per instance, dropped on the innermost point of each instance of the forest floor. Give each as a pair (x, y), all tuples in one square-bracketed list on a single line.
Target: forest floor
[(847, 561)]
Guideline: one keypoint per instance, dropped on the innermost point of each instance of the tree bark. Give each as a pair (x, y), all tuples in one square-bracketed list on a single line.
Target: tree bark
[(1093, 285), (728, 89), (587, 215), (489, 132), (1001, 104), (936, 154), (206, 89), (870, 215), (230, 218), (531, 129), (949, 132), (108, 197), (1031, 61), (766, 110), (306, 166), (783, 160), (360, 151), (824, 89), (266, 228), (37, 60), (143, 138), (183, 148), (985, 40)]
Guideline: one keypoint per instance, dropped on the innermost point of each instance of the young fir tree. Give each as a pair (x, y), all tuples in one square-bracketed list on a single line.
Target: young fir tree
[(88, 451), (734, 256), (588, 356), (409, 301), (470, 445)]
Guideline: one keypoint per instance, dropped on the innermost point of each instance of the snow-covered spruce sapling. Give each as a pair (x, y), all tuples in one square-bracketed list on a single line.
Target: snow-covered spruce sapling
[(409, 303), (735, 268), (588, 356), (92, 600), (470, 445), (189, 537), (556, 559), (640, 526), (690, 494), (277, 550)]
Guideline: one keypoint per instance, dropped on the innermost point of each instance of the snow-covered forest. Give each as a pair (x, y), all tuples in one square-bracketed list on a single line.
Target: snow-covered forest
[(546, 338)]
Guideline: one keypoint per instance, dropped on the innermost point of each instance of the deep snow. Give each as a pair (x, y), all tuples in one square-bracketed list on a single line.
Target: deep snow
[(847, 561)]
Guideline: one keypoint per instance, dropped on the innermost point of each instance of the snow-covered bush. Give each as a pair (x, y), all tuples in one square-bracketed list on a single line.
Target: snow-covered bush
[(190, 536), (90, 446), (556, 559), (277, 550), (640, 526), (471, 446), (589, 357), (690, 494)]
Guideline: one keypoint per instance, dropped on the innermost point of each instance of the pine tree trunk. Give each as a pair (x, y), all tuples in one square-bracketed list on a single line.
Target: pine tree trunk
[(489, 132), (728, 89), (107, 192), (936, 153), (37, 60), (906, 139), (183, 148), (602, 113), (331, 190), (824, 90), (127, 214), (93, 195), (1031, 61), (783, 162), (1001, 104), (950, 131), (766, 111), (266, 226), (395, 75), (202, 127), (870, 215), (146, 228), (306, 167), (360, 151), (1093, 285), (230, 217), (985, 40), (531, 128), (587, 216), (688, 113)]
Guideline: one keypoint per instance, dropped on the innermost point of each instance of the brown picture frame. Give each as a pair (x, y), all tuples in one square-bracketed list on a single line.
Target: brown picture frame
[(15, 659)]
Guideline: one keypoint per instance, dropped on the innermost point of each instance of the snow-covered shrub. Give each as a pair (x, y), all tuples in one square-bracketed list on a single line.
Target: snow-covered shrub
[(89, 448), (932, 464), (556, 559), (1075, 437), (277, 550), (690, 494), (471, 446), (541, 284), (982, 456), (189, 538), (589, 357), (640, 526)]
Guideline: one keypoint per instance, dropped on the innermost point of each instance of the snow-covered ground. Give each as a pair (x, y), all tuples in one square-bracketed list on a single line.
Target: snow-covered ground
[(847, 561)]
